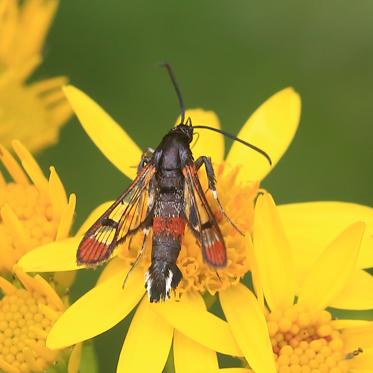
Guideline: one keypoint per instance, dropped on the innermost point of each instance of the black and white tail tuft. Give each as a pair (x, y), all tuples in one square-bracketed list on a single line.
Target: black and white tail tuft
[(160, 279)]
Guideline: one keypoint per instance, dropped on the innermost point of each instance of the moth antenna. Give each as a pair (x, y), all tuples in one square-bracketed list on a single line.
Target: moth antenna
[(251, 146), (177, 89)]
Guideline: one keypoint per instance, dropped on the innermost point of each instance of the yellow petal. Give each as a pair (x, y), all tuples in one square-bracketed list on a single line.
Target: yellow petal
[(65, 279), (98, 310), (15, 227), (114, 266), (332, 270), (67, 218), (74, 359), (362, 363), (207, 142), (346, 324), (360, 336), (192, 357), (31, 166), (255, 276), (44, 288), (147, 343), (271, 128), (6, 286), (2, 180), (273, 255), (12, 166), (235, 370), (57, 193), (108, 136), (93, 216), (357, 294), (52, 257), (189, 316), (249, 327), (27, 281), (312, 225)]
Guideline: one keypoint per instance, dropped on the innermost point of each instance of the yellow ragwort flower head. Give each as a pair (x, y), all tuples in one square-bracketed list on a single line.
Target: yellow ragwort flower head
[(186, 323), (307, 338), (298, 334), (26, 109), (237, 189), (238, 200), (33, 209), (27, 313)]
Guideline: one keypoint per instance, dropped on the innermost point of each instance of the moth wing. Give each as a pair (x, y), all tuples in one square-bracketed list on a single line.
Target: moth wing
[(202, 220), (127, 213)]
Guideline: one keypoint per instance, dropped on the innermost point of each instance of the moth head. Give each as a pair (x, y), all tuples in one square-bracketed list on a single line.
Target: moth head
[(186, 129)]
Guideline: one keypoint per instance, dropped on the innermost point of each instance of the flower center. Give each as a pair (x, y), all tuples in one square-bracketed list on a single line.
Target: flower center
[(35, 215), (25, 320), (238, 202), (304, 341)]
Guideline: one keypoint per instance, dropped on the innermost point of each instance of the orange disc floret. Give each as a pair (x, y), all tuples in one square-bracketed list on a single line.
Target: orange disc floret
[(305, 341), (27, 314), (198, 275)]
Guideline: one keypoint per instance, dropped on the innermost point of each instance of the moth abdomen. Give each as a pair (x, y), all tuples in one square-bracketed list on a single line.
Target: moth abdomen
[(160, 278)]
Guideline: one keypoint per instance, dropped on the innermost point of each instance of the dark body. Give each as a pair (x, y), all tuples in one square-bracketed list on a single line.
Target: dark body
[(169, 219), (168, 184)]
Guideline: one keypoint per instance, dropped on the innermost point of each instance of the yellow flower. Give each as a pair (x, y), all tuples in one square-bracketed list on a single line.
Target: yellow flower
[(27, 314), (196, 331), (236, 187), (310, 226), (33, 209), (303, 337), (27, 109)]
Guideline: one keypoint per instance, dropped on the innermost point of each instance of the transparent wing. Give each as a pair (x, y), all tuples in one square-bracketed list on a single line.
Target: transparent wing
[(123, 218), (202, 220)]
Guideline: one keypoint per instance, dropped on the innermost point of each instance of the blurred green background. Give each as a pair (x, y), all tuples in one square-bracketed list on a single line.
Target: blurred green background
[(229, 56)]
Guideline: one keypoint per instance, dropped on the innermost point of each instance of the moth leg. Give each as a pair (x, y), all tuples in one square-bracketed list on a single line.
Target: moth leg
[(139, 256), (212, 185), (209, 170)]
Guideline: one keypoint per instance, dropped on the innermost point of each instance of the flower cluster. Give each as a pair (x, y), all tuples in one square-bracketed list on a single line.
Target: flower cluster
[(298, 334), (34, 210), (270, 307), (197, 274), (27, 314), (277, 329), (39, 107)]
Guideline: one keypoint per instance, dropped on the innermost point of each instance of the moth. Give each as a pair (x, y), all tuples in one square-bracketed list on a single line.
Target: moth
[(165, 198)]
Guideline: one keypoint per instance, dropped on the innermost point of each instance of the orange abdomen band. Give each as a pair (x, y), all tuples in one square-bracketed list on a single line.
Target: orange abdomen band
[(172, 226)]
